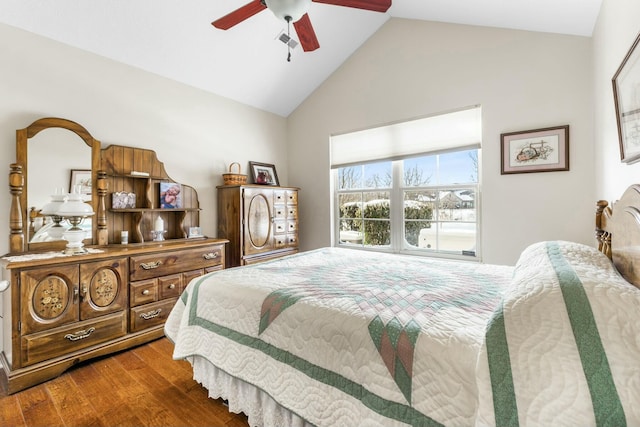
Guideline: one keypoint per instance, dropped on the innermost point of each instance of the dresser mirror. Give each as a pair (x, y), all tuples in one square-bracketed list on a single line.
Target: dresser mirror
[(51, 152)]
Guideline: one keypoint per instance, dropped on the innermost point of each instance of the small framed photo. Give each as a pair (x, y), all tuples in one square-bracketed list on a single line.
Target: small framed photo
[(538, 150), (263, 173), (170, 195), (194, 232), (80, 182), (626, 95), (123, 200)]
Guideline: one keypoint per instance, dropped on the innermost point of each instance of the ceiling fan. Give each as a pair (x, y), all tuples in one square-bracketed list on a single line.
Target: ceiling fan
[(295, 11)]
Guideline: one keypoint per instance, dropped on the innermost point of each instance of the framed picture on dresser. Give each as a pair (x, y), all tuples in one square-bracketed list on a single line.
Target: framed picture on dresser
[(263, 173), (170, 195)]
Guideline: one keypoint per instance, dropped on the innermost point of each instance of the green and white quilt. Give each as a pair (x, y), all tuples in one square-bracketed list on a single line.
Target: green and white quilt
[(344, 338)]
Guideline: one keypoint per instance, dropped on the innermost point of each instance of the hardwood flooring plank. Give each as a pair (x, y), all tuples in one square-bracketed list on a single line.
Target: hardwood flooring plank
[(195, 389), (188, 410), (113, 409), (72, 404), (169, 370), (142, 399), (38, 409), (139, 387), (197, 392), (10, 411)]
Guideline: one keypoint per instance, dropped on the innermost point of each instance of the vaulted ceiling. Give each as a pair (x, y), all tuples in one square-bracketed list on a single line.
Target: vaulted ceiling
[(247, 63)]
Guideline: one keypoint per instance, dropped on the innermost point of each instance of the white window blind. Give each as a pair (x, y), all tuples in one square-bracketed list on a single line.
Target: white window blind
[(435, 133)]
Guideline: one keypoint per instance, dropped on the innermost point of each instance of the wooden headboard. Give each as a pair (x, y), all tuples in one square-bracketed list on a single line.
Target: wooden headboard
[(621, 220)]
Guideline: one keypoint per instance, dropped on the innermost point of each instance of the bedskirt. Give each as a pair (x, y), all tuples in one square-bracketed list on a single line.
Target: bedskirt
[(260, 408)]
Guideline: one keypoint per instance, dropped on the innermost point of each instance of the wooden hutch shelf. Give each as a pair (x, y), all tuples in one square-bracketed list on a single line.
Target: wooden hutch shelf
[(61, 309)]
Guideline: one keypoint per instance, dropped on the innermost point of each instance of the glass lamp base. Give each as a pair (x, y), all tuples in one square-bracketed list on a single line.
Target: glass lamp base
[(74, 238)]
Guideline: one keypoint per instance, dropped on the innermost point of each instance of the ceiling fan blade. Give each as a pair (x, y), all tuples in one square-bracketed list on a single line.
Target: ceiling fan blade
[(239, 15), (306, 33), (374, 5)]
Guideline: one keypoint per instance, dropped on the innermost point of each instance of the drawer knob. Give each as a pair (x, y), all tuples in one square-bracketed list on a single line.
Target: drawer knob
[(145, 292), (172, 286), (151, 314), (80, 334), (210, 255), (150, 265)]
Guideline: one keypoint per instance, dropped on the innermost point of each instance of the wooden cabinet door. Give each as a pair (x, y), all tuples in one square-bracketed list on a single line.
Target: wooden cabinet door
[(49, 297), (258, 221), (103, 287)]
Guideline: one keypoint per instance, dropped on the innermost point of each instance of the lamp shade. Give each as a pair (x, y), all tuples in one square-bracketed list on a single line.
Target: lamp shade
[(284, 8), (52, 208), (75, 207)]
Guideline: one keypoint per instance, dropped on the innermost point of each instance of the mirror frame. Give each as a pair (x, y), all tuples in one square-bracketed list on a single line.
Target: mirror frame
[(19, 221)]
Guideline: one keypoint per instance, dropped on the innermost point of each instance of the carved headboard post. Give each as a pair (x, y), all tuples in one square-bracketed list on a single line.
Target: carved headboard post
[(603, 236), (16, 186)]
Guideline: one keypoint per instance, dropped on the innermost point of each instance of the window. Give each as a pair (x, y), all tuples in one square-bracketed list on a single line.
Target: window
[(423, 203)]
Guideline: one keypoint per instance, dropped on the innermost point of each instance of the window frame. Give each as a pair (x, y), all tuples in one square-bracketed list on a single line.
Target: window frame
[(398, 242)]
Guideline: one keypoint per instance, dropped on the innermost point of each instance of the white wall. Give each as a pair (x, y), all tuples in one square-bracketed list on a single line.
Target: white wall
[(523, 80), (194, 133), (617, 28)]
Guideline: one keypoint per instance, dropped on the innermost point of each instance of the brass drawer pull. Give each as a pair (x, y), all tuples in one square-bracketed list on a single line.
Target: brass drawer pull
[(150, 265), (80, 334), (150, 315), (210, 255)]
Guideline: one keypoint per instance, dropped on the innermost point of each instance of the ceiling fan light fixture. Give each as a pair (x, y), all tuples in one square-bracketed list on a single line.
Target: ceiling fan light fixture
[(288, 8)]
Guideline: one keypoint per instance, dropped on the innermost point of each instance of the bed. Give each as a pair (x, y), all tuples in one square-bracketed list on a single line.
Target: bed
[(342, 337)]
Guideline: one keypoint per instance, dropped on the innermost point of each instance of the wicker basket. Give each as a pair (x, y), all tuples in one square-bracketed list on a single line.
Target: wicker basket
[(234, 178)]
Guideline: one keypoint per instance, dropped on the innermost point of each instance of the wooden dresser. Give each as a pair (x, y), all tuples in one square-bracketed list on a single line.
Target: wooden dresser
[(260, 222), (59, 308), (64, 310)]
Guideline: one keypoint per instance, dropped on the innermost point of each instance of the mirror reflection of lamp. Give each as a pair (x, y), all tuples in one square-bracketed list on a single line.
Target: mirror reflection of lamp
[(51, 209), (75, 210)]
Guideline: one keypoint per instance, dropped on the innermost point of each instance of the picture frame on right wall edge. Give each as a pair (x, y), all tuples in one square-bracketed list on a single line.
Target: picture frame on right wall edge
[(626, 95)]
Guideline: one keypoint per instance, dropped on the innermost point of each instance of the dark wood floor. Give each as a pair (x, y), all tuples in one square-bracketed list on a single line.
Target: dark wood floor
[(143, 386)]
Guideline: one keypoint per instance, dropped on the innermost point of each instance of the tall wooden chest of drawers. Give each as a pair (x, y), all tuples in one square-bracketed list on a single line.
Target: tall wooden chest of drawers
[(260, 222)]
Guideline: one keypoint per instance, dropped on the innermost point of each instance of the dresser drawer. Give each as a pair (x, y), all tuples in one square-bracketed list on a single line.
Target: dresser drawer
[(143, 292), (283, 196), (165, 263), (61, 341), (170, 286), (190, 275), (149, 315)]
